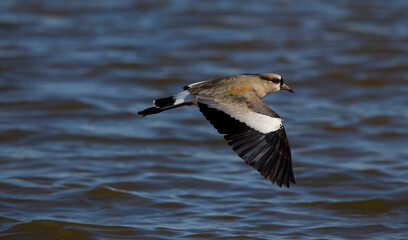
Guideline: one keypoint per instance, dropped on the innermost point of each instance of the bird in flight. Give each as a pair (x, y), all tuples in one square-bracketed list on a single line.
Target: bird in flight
[(234, 107)]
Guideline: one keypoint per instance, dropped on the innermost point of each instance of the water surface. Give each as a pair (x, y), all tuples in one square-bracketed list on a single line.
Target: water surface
[(77, 163)]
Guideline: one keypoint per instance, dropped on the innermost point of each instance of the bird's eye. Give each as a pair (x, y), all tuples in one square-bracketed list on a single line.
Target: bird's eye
[(276, 81)]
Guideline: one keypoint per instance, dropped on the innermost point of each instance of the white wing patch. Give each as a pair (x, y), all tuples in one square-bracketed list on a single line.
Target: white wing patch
[(262, 123)]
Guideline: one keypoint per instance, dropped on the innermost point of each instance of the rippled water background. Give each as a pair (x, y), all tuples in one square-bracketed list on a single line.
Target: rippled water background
[(77, 163)]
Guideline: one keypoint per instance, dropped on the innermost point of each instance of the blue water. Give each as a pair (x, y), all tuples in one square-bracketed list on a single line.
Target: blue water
[(78, 163)]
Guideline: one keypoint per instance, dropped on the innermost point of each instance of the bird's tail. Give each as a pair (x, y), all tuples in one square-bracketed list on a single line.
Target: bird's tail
[(164, 104)]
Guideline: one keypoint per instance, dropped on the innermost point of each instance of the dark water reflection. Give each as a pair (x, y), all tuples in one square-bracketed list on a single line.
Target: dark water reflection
[(77, 163)]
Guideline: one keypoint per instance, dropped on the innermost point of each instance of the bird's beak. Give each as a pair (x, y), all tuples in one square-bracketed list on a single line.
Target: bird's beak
[(286, 87)]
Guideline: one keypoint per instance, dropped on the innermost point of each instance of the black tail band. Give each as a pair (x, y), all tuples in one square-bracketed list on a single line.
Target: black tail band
[(164, 102)]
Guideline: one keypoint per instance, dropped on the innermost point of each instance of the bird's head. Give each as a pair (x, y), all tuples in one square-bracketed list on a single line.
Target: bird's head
[(275, 82)]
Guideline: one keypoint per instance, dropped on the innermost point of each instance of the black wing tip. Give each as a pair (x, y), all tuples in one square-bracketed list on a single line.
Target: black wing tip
[(268, 154), (280, 177), (287, 183)]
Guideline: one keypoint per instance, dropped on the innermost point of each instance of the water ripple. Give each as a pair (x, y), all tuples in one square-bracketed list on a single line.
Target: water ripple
[(78, 163)]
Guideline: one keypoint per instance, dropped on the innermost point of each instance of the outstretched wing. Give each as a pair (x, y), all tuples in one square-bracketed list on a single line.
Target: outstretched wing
[(254, 132)]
